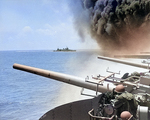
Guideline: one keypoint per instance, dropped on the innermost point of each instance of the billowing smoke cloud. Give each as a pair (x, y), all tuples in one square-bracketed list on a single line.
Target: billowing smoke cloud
[(119, 25)]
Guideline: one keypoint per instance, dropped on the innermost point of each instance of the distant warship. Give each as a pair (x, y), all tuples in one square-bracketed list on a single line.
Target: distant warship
[(64, 50)]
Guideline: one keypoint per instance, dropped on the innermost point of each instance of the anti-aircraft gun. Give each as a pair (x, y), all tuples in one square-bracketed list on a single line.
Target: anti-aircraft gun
[(126, 98)]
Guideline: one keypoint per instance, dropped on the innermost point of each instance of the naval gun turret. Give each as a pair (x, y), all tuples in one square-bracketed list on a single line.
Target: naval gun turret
[(131, 101)]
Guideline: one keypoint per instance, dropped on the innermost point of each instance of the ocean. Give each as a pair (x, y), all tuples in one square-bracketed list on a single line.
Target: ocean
[(25, 96)]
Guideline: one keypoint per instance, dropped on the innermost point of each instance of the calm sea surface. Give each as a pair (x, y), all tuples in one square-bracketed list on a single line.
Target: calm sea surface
[(25, 96)]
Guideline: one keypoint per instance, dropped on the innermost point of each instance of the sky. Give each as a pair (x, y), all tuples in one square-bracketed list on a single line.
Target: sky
[(39, 25)]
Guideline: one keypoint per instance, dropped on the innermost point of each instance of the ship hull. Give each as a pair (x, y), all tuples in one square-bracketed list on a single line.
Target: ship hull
[(72, 111)]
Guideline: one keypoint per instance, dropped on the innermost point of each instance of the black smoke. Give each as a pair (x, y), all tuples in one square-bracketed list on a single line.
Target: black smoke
[(118, 25)]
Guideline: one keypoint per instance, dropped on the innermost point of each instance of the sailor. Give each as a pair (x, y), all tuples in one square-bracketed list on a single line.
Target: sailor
[(120, 100), (124, 101)]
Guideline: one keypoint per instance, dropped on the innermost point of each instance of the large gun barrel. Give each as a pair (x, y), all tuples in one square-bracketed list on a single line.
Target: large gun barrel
[(77, 81), (124, 62)]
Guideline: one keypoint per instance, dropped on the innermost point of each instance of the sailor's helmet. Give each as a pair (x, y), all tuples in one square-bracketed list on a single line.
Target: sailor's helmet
[(119, 88), (125, 115)]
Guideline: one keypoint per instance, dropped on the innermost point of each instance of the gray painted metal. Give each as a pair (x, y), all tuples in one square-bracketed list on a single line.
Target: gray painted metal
[(72, 111), (77, 81), (124, 62)]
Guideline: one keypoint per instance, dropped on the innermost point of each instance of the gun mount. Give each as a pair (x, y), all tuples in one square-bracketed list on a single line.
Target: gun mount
[(133, 98)]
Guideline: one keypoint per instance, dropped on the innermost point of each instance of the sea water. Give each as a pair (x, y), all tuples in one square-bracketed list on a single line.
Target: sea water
[(25, 96)]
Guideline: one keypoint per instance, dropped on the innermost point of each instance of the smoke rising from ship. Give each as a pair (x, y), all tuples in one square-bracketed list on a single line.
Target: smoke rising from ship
[(117, 25)]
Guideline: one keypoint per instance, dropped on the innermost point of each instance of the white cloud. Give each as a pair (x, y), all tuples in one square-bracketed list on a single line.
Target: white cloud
[(49, 29), (46, 31), (27, 29)]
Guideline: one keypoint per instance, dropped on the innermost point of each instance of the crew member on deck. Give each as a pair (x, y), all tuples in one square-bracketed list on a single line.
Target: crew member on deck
[(124, 101)]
